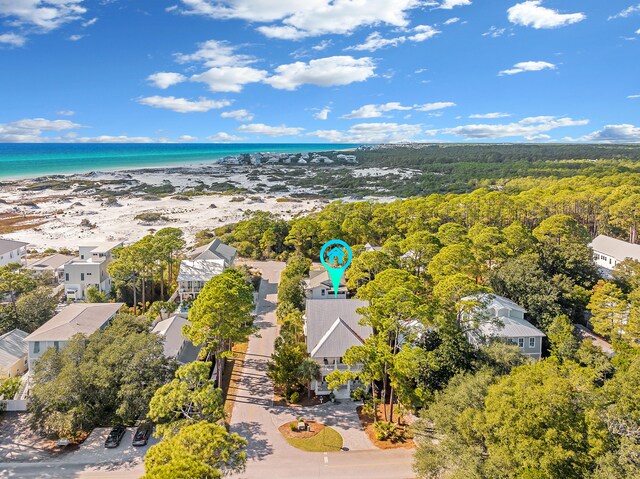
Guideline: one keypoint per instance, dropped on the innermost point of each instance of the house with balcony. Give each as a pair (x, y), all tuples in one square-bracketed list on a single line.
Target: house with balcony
[(215, 250), (12, 251), (332, 327), (320, 286), (53, 265), (89, 269), (489, 317), (13, 354), (77, 318), (194, 274), (608, 252)]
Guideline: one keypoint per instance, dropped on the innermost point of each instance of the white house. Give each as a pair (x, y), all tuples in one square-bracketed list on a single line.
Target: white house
[(369, 248), (11, 251), (53, 264), (194, 274), (320, 286), (332, 327), (13, 354), (608, 252), (496, 317), (216, 250), (176, 345), (83, 318), (89, 269)]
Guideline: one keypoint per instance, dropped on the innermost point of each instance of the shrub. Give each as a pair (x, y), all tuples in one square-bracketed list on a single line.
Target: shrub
[(358, 394), (85, 223), (151, 217), (386, 431), (293, 426), (295, 397)]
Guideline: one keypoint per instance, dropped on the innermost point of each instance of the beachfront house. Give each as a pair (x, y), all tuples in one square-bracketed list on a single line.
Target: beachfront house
[(608, 252), (89, 269), (13, 354), (319, 286), (11, 251), (176, 345), (195, 273), (216, 249), (77, 318), (53, 265), (488, 317), (332, 327)]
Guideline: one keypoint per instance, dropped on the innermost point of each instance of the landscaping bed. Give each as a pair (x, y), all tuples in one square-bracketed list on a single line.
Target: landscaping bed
[(317, 438), (400, 438)]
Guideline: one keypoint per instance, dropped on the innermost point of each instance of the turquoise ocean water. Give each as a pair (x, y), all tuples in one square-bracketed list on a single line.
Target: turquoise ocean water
[(19, 160)]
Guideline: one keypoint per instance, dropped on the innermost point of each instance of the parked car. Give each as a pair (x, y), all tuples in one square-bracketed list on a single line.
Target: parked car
[(141, 436), (114, 437)]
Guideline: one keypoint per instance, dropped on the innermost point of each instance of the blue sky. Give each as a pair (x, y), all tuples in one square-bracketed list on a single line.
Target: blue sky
[(352, 71)]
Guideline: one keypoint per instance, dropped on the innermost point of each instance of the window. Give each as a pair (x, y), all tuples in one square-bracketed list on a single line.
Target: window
[(36, 347), (322, 292), (81, 276), (56, 345), (88, 274), (521, 342), (532, 342), (66, 276), (81, 256)]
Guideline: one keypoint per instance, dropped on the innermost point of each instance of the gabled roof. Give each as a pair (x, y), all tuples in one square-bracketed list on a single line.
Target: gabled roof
[(510, 328), (200, 269), (616, 248), (52, 262), (333, 326), (13, 347), (215, 250), (319, 278), (10, 245), (494, 301), (171, 330), (369, 247), (85, 318)]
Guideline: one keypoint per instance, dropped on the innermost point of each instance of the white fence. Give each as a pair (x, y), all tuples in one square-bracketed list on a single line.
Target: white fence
[(14, 405)]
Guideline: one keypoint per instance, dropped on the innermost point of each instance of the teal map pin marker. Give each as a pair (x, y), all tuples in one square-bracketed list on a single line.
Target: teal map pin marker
[(336, 256)]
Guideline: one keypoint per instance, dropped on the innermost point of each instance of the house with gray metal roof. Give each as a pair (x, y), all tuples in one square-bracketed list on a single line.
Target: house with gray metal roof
[(320, 286), (77, 318), (216, 250), (11, 251), (331, 328), (176, 344), (489, 317), (53, 264), (608, 252), (13, 354), (194, 274)]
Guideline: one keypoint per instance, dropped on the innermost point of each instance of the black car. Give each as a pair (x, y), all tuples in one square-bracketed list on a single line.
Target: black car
[(142, 434), (114, 437)]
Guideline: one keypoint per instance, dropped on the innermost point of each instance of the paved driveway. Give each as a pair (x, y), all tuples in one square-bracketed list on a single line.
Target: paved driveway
[(255, 417)]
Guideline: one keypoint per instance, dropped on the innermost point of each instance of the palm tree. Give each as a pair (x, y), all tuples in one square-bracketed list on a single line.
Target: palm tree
[(308, 371)]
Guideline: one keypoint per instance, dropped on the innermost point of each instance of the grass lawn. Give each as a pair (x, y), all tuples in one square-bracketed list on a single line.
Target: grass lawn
[(327, 440)]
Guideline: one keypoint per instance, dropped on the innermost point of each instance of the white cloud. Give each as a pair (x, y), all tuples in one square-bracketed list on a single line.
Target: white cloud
[(633, 97), (223, 137), (118, 139), (627, 12), (30, 129), (528, 67), (182, 105), (494, 32), (187, 138), (295, 19), (330, 71), (371, 133), (451, 21), (375, 41), (323, 45), (262, 129), (215, 53), (12, 39), (75, 38), (489, 115), (322, 114), (88, 23), (532, 14), (439, 105), (46, 15), (449, 4), (376, 111), (65, 113), (615, 134), (238, 115), (229, 79), (527, 127), (164, 80), (638, 31)]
